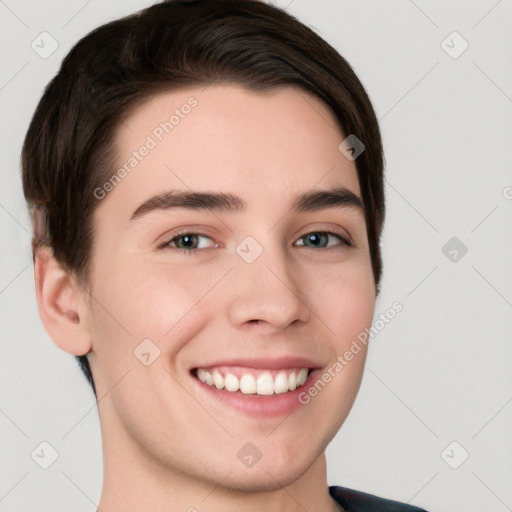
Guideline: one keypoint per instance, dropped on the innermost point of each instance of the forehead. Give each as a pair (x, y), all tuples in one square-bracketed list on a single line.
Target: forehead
[(227, 138)]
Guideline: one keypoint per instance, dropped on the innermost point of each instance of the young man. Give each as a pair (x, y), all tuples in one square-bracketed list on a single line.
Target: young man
[(207, 189)]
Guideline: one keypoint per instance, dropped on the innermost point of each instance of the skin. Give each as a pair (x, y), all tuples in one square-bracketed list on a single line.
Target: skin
[(166, 445)]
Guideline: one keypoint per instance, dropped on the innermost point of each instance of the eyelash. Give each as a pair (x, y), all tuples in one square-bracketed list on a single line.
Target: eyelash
[(166, 245)]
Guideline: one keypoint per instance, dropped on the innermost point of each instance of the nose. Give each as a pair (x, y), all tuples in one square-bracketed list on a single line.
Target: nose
[(266, 291)]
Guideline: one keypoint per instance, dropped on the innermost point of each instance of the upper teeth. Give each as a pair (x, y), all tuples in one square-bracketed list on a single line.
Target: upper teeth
[(267, 383)]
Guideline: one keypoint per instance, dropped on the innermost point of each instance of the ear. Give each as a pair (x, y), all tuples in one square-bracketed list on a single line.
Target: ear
[(60, 303)]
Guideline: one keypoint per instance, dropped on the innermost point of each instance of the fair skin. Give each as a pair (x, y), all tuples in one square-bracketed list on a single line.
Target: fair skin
[(170, 441)]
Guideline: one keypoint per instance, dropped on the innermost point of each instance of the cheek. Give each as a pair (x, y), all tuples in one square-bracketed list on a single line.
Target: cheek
[(135, 301), (344, 301)]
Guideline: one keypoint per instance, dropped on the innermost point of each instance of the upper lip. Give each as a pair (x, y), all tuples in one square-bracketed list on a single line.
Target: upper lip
[(279, 363)]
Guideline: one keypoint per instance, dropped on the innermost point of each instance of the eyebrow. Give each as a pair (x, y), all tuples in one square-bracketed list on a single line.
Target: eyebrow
[(225, 202)]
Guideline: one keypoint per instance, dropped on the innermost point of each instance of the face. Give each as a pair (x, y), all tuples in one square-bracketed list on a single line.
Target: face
[(230, 271)]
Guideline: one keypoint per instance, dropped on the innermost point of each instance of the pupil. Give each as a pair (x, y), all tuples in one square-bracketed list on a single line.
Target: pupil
[(314, 239), (187, 240), (317, 239)]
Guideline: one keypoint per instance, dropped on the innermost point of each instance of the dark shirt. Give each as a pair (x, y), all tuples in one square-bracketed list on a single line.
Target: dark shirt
[(357, 501)]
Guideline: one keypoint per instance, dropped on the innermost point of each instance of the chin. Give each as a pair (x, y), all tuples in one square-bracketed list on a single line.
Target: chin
[(273, 472), (263, 480)]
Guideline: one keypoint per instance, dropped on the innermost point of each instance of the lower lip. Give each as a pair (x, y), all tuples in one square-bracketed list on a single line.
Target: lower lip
[(270, 406)]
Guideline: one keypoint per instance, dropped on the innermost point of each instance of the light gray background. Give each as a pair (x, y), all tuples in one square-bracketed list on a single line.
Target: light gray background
[(439, 372)]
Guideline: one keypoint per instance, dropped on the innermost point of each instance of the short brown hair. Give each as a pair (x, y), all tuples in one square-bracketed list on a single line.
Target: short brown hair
[(67, 150)]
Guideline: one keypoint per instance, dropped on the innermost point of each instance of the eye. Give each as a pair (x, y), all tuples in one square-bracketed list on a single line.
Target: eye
[(188, 242), (322, 240)]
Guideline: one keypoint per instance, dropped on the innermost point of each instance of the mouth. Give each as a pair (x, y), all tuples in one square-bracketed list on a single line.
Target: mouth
[(253, 381), (258, 388), (267, 390)]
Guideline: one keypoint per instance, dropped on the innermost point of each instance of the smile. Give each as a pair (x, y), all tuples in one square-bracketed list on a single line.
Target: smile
[(251, 381)]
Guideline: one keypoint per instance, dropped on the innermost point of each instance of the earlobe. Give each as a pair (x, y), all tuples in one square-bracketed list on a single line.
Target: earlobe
[(60, 304)]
